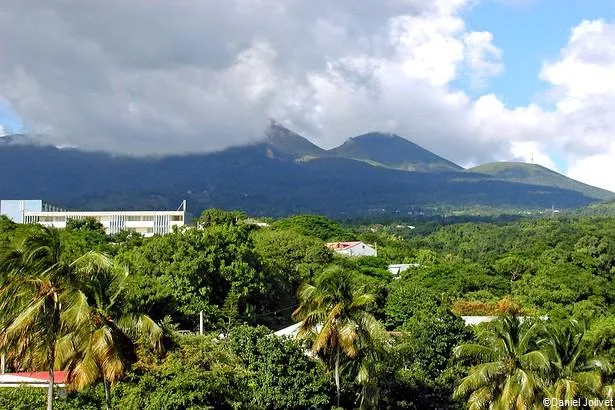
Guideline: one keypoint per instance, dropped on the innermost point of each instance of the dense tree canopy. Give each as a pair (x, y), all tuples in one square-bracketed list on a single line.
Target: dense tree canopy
[(242, 275)]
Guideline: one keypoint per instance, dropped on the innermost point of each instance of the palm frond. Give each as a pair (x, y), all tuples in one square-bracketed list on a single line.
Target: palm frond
[(475, 351), (144, 327)]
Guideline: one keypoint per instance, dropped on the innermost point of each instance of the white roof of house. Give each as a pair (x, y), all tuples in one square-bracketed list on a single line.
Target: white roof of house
[(293, 330), (290, 331), (475, 320)]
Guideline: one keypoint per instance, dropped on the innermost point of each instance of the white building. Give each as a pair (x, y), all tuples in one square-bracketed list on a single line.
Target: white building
[(147, 223), (355, 248), (476, 320), (398, 268)]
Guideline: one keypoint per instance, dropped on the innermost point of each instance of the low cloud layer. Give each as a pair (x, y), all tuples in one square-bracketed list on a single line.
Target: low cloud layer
[(145, 77)]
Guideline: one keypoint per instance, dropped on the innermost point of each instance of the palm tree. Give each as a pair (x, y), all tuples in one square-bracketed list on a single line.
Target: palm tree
[(573, 374), (334, 315), (103, 346), (37, 296), (510, 374)]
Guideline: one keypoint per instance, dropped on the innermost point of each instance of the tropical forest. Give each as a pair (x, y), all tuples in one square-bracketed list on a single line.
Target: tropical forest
[(188, 320)]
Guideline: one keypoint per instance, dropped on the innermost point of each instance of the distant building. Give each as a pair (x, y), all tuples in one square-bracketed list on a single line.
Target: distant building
[(398, 268), (146, 223), (292, 332), (252, 221), (355, 248), (476, 320)]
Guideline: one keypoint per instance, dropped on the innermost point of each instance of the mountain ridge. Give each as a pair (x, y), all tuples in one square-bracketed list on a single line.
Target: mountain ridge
[(536, 174), (392, 151), (266, 178)]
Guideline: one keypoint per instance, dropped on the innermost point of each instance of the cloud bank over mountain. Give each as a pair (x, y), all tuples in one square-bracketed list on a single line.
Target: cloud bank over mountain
[(140, 77)]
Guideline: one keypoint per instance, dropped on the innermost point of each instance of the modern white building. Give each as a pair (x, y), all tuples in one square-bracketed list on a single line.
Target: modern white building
[(355, 248), (147, 223)]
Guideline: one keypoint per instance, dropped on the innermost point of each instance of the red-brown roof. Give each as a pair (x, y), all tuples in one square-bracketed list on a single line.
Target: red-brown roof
[(58, 376), (341, 245)]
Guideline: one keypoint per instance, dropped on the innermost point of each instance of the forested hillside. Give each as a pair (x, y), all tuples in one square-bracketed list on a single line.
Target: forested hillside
[(386, 342), (284, 174)]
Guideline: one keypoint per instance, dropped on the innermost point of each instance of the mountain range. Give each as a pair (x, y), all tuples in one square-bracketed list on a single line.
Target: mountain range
[(282, 174)]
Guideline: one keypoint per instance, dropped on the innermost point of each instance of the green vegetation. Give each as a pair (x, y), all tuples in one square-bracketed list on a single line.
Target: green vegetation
[(392, 151), (604, 208), (109, 310), (371, 175), (538, 175), (290, 143), (334, 317)]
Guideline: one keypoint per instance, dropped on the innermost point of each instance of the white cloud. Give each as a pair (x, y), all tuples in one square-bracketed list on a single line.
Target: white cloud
[(532, 152), (140, 78), (596, 169), (583, 78), (483, 57), (143, 77)]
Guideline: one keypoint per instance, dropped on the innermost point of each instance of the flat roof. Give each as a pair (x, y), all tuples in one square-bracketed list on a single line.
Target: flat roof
[(103, 213)]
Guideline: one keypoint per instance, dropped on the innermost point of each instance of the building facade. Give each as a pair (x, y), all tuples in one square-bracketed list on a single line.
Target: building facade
[(146, 223), (355, 248)]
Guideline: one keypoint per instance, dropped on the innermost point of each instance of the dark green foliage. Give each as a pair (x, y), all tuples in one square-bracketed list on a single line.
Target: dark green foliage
[(281, 376), (288, 259), (537, 175), (125, 240), (239, 273), (455, 279), (420, 372), (212, 269), (561, 284), (595, 254), (200, 374), (30, 398), (315, 225), (23, 398), (7, 229), (220, 217), (600, 338), (407, 300), (86, 224), (83, 235), (604, 208), (392, 151), (261, 180)]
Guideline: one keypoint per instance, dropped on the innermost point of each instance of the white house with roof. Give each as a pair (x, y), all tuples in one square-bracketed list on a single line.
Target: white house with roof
[(354, 248)]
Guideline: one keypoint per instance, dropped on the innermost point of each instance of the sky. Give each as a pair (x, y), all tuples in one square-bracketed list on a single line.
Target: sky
[(472, 80)]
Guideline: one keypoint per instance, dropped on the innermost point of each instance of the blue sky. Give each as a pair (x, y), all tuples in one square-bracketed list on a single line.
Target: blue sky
[(529, 33), (8, 120)]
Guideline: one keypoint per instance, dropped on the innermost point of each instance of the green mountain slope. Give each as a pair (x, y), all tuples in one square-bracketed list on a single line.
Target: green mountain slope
[(291, 143), (604, 208), (392, 151), (538, 175), (269, 178)]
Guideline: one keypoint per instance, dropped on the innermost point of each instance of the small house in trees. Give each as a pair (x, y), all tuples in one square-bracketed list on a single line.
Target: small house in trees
[(355, 248)]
